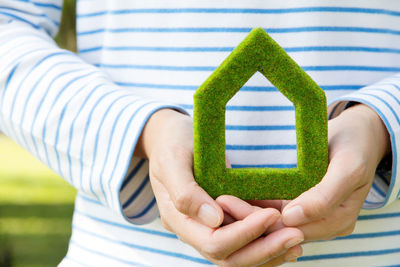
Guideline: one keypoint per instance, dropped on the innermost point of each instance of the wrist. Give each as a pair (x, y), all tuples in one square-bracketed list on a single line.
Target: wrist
[(155, 126), (375, 125)]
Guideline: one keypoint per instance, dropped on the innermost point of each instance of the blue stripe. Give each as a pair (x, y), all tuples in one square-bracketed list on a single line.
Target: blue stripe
[(85, 134), (212, 68), (245, 10), (330, 115), (260, 108), (49, 112), (158, 86), (249, 108), (281, 166), (99, 130), (37, 64), (122, 143), (25, 21), (60, 121), (72, 129), (244, 88), (23, 80), (75, 243), (350, 68), (369, 235), (23, 55), (260, 127), (40, 105), (88, 199), (126, 226), (132, 174), (10, 76), (155, 67), (384, 91), (157, 49), (116, 119), (378, 216), (377, 189), (145, 210), (230, 49), (144, 248), (48, 5), (372, 203), (25, 12), (349, 254), (137, 192), (386, 103), (343, 49), (244, 30), (141, 126), (260, 147)]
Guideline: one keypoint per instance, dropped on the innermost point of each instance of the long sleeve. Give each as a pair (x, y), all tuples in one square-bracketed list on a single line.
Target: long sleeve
[(384, 98), (68, 113)]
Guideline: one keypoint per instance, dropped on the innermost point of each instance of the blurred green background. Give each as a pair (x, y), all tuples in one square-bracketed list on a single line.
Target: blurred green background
[(35, 204)]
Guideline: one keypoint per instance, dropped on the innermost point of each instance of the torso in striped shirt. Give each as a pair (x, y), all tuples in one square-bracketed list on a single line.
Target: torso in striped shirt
[(166, 49)]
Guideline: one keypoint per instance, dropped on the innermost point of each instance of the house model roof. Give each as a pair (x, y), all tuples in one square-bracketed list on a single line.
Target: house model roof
[(259, 52)]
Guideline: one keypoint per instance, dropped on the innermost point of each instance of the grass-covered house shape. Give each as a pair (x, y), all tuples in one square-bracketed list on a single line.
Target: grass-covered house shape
[(259, 52)]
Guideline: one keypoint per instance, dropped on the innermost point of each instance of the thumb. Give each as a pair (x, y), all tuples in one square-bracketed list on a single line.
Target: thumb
[(187, 196), (336, 186)]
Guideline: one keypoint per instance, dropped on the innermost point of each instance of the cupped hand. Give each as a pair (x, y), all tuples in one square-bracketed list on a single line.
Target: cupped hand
[(189, 212), (358, 140)]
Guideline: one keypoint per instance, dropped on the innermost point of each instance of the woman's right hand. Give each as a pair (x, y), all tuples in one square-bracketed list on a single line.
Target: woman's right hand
[(189, 212)]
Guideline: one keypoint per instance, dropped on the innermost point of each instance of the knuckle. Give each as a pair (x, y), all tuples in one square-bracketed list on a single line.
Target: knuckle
[(215, 251), (358, 171), (348, 230), (183, 201), (165, 225), (321, 205)]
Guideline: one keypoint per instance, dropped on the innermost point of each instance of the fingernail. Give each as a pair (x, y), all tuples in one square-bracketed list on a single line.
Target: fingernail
[(291, 258), (293, 216), (273, 220), (208, 215), (293, 242)]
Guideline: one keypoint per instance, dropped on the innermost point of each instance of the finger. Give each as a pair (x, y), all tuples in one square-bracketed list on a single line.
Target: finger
[(176, 174), (228, 163), (340, 222), (265, 249), (217, 244), (237, 209), (338, 183), (276, 204), (291, 255), (228, 219), (238, 234), (214, 244)]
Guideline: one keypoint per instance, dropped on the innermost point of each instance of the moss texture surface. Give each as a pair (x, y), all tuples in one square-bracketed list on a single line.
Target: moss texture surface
[(259, 52)]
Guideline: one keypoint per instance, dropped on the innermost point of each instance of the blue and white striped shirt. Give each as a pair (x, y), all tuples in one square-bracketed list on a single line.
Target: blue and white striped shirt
[(82, 114)]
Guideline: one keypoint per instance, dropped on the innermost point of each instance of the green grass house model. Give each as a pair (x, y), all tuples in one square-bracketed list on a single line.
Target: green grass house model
[(259, 52)]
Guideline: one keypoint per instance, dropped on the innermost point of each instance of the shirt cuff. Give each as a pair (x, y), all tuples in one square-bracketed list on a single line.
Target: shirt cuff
[(134, 196)]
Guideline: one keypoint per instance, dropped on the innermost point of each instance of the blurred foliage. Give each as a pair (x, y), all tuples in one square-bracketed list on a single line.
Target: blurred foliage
[(36, 209), (66, 37)]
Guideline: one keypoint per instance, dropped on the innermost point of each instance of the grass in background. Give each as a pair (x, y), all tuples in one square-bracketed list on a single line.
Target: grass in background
[(35, 210), (36, 205)]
